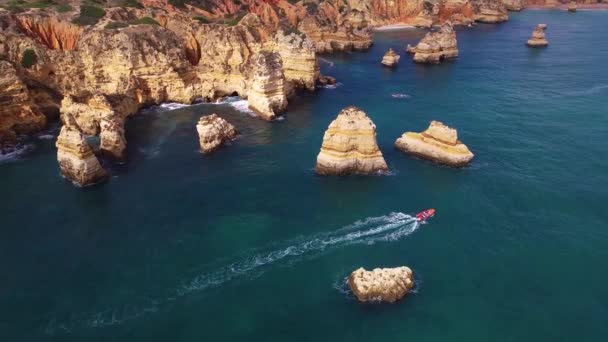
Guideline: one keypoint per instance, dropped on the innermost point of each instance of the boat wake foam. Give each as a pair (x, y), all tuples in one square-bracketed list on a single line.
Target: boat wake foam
[(386, 228), (400, 96), (591, 91)]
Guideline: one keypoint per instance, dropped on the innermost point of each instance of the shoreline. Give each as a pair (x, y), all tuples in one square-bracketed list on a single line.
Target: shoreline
[(393, 27), (565, 7)]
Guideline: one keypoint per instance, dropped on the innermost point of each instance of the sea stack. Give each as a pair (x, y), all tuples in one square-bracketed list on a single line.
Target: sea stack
[(390, 58), (382, 284), (438, 143), (267, 94), (350, 146), (213, 132), (538, 37), (436, 46), (513, 5), (572, 6), (490, 12), (77, 161)]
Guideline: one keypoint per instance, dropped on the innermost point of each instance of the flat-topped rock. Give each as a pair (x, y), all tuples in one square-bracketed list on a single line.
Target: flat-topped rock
[(436, 46), (350, 146), (213, 132), (267, 95), (381, 284), (438, 143), (538, 37), (390, 58)]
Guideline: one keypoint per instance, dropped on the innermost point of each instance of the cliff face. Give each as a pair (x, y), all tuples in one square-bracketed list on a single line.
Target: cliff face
[(18, 113)]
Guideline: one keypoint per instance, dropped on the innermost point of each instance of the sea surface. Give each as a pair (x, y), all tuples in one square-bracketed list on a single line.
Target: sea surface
[(248, 244)]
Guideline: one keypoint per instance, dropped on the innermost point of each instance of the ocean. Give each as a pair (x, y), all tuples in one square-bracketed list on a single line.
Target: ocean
[(249, 244)]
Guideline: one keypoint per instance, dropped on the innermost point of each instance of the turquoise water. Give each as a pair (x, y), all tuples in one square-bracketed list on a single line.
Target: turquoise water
[(248, 244)]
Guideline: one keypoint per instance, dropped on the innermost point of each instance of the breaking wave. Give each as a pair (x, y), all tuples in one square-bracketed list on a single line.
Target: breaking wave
[(15, 153), (386, 228), (330, 86), (237, 103)]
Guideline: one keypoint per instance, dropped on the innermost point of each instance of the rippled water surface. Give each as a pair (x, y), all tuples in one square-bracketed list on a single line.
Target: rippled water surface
[(248, 244)]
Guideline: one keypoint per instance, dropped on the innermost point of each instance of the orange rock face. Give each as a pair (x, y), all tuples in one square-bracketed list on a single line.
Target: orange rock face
[(55, 34)]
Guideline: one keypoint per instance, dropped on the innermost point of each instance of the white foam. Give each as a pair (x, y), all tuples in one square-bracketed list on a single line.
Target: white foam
[(593, 90), (330, 63), (12, 154), (330, 86), (400, 96), (172, 106), (46, 137)]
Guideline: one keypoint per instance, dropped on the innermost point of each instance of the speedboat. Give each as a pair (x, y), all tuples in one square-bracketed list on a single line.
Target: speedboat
[(425, 214)]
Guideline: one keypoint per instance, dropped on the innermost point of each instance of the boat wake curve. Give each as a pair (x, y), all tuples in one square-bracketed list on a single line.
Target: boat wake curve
[(386, 228)]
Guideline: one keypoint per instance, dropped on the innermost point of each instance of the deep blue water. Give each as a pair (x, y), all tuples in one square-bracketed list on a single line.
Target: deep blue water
[(248, 244)]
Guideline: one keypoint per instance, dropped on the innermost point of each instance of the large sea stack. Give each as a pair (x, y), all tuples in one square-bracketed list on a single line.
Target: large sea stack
[(77, 161), (349, 146), (382, 284), (436, 46), (538, 37), (438, 143), (390, 58)]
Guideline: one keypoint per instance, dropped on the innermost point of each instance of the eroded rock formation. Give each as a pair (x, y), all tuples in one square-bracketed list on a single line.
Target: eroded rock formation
[(390, 58), (538, 37), (55, 34), (438, 143), (381, 284), (436, 46), (77, 161), (572, 6), (18, 113), (350, 146), (213, 132), (490, 11), (267, 94), (513, 5)]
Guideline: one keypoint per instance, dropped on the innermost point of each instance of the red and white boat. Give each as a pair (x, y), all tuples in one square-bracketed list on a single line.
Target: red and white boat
[(425, 214)]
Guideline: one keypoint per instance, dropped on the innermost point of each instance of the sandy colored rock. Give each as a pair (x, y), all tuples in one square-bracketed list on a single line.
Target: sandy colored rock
[(213, 132), (267, 95), (18, 113), (390, 58), (350, 146), (436, 46), (513, 5), (572, 6), (438, 143), (299, 58), (490, 11), (538, 37), (381, 284), (77, 161), (55, 34)]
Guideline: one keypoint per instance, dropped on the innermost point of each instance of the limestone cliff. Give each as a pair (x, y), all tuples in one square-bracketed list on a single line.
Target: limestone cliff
[(77, 161), (350, 146), (490, 11), (438, 143), (18, 113), (267, 94), (213, 132), (436, 46), (381, 284)]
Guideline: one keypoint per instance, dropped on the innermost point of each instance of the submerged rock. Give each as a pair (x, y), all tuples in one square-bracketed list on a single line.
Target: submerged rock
[(436, 46), (390, 58), (438, 143), (538, 36), (381, 284), (326, 80), (350, 146), (213, 132), (77, 161)]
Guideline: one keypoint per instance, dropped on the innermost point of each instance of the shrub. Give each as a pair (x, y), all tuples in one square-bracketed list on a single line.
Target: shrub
[(89, 15), (144, 21), (29, 58), (236, 20), (116, 25), (132, 3), (202, 20), (63, 8)]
